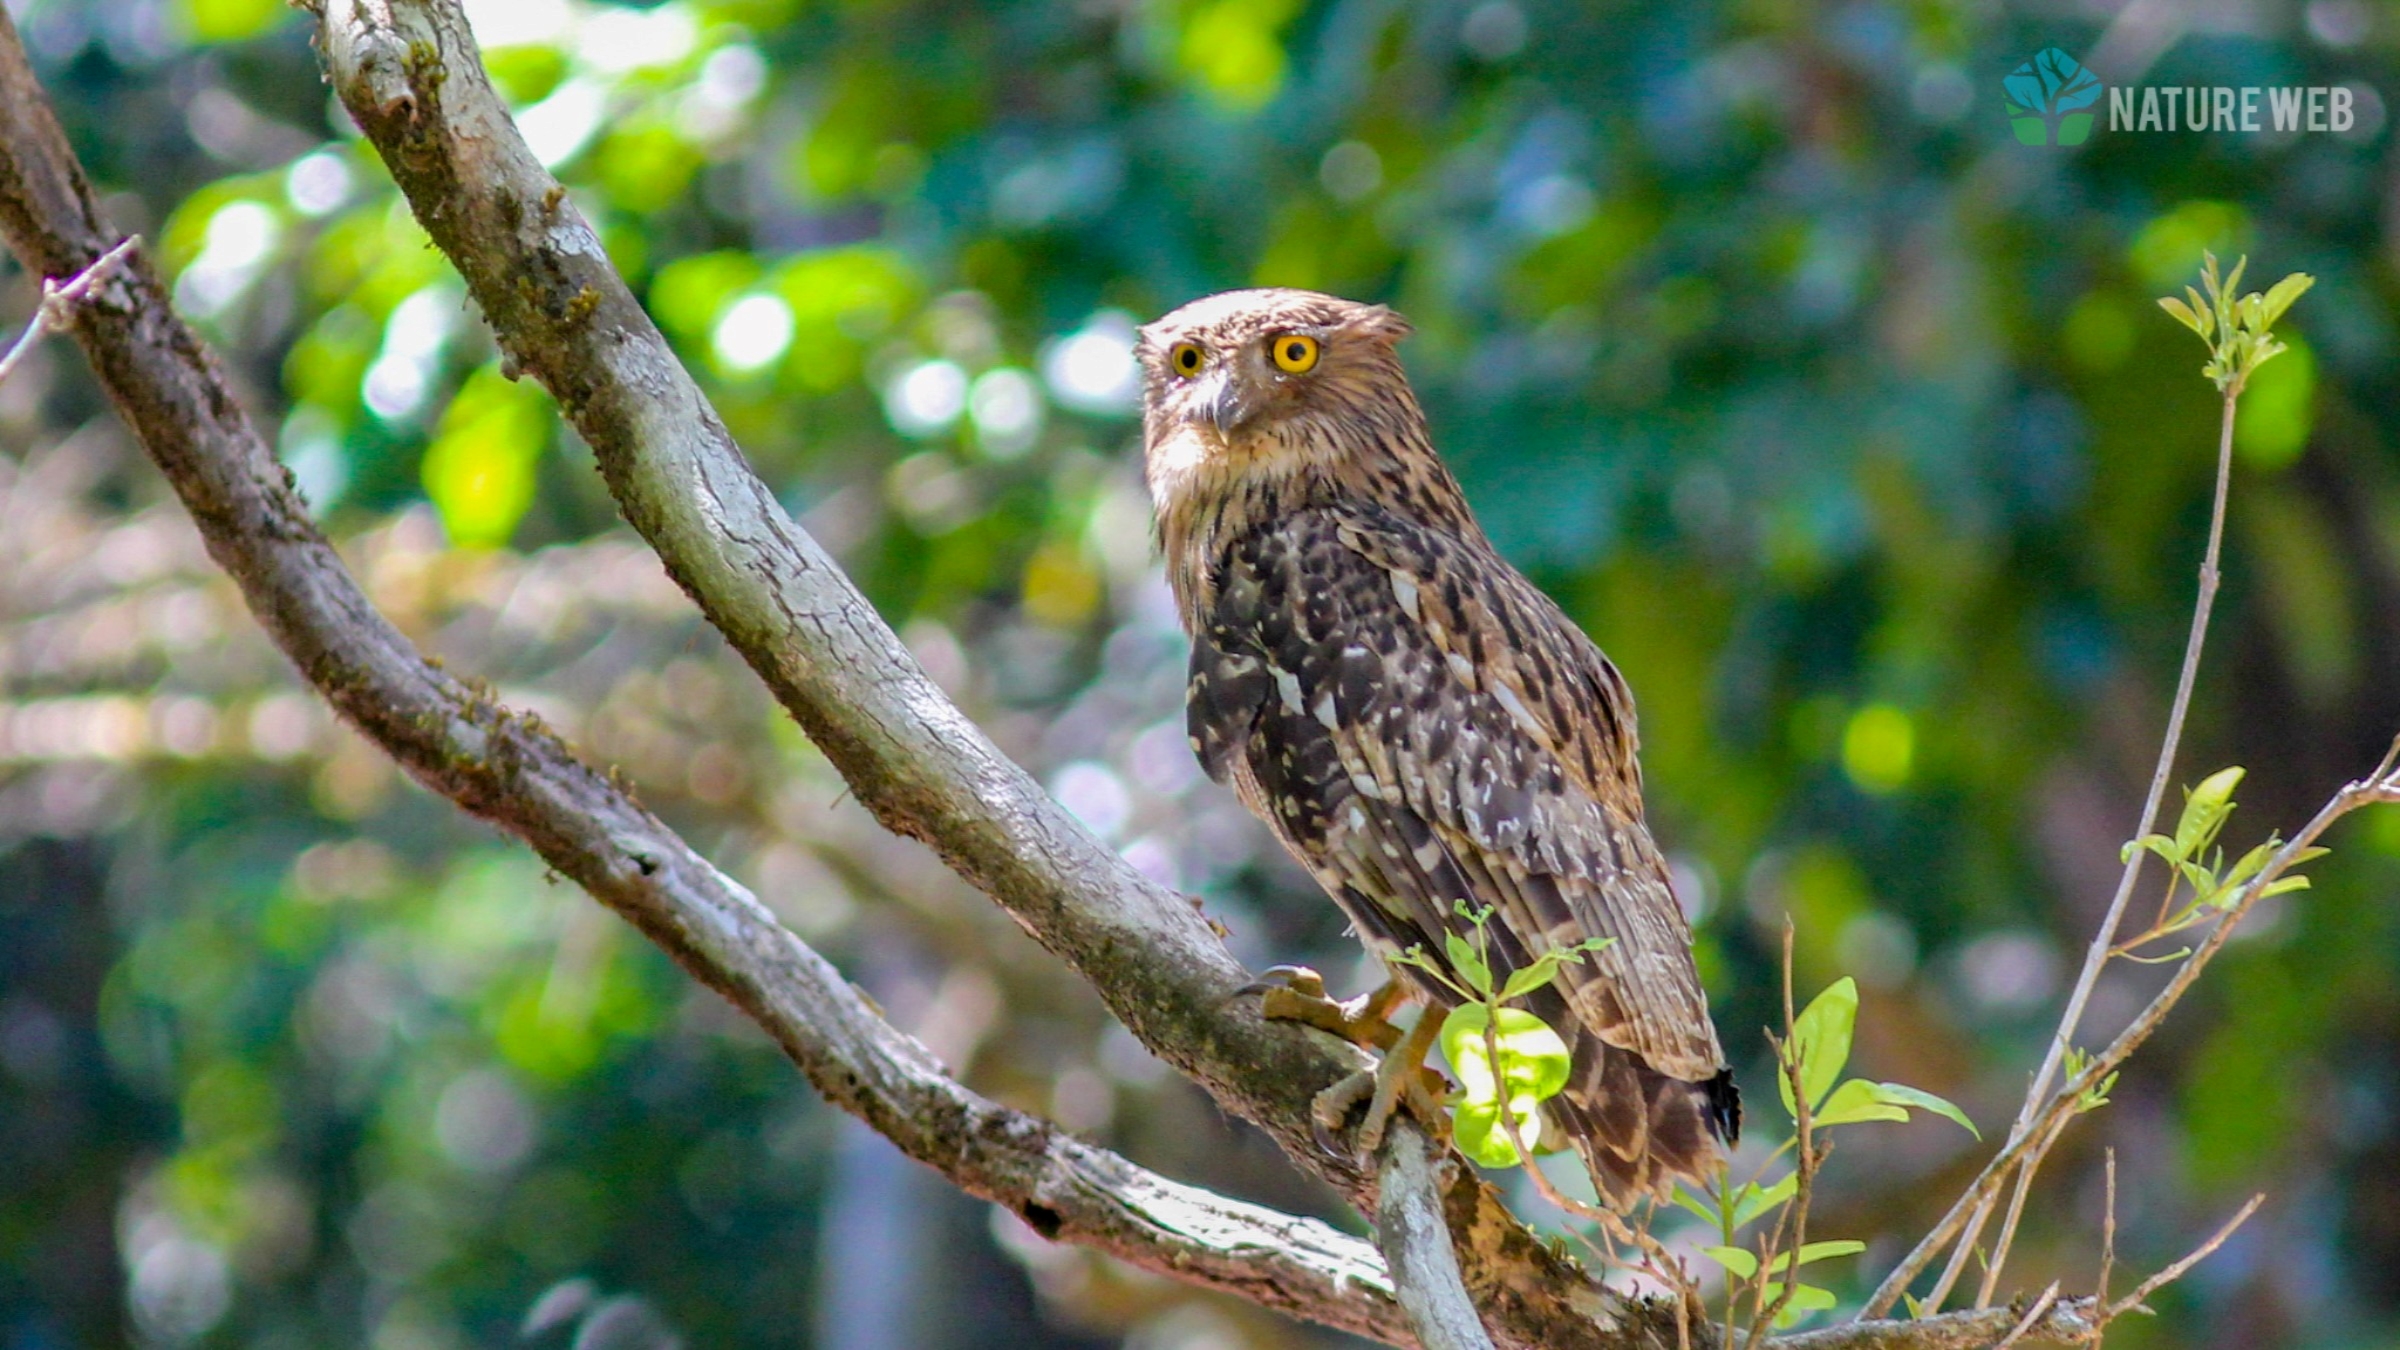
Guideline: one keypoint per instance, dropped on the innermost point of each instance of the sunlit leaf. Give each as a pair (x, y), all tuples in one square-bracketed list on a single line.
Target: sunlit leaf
[(1743, 1264), (1534, 1065), (1533, 1058), (1901, 1094), (1820, 1042), (1855, 1101), (2281, 295), (2204, 810), (1755, 1200)]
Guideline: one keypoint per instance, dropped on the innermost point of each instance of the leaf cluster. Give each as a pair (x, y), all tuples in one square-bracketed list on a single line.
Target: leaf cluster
[(1508, 1061), (2239, 331), (1814, 1054), (2197, 871)]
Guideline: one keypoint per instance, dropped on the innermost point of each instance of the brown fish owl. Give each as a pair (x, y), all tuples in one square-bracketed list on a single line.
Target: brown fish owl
[(1417, 722)]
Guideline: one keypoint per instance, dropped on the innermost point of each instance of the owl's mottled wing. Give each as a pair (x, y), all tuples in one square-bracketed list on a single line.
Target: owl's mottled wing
[(1422, 726)]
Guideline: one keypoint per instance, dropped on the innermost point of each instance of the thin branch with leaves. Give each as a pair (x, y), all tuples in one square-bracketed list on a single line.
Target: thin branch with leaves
[(2202, 891)]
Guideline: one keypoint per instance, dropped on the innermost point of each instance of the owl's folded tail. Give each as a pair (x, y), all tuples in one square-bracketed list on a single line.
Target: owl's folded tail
[(1639, 1130)]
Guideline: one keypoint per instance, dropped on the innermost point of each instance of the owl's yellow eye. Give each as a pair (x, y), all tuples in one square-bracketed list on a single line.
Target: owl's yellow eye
[(1295, 353), (1187, 358)]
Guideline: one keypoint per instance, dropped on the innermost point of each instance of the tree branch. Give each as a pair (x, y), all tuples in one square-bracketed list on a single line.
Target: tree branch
[(411, 77), (1416, 1243), (507, 768), (2067, 1321), (58, 298)]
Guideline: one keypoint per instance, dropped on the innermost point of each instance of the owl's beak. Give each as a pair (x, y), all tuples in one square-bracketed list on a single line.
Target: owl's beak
[(1227, 409)]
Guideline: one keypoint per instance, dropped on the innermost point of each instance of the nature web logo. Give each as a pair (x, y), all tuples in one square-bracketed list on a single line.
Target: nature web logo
[(2052, 100)]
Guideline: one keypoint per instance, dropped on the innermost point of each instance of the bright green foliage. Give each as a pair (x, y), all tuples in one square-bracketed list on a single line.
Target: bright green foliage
[(2077, 1063), (1820, 1048), (1507, 1060), (1816, 1052), (2239, 329), (1495, 1118), (2197, 867), (1820, 1043)]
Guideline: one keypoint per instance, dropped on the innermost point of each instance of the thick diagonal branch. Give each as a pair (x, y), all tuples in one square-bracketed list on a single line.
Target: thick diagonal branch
[(411, 77), (508, 769)]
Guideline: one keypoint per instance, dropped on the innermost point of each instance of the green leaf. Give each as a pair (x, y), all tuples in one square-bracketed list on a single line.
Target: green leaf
[(2182, 312), (1806, 1299), (1697, 1206), (1533, 1067), (2281, 295), (1743, 1264), (1467, 963), (2156, 843), (1476, 1127), (1901, 1094), (1755, 1200), (1820, 1042), (2204, 810), (1533, 1060), (1817, 1251), (1855, 1101), (1528, 979)]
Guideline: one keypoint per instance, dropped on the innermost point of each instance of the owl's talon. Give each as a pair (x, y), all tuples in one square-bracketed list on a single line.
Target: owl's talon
[(1330, 1110), (1400, 1078), (1297, 979), (1297, 994)]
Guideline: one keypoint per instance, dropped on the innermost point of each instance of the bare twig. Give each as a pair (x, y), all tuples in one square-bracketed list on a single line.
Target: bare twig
[(59, 300), (2032, 1318), (2192, 1258), (2040, 1119), (1415, 1239), (2016, 1211), (2108, 1246), (2067, 1322)]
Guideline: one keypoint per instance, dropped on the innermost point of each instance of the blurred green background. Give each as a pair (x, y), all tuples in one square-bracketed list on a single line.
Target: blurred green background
[(1844, 422)]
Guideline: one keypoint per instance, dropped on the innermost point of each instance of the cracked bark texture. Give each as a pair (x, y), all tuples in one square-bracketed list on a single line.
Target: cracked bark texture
[(409, 74)]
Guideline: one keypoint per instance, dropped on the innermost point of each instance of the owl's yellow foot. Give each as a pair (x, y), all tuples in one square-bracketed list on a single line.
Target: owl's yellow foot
[(1400, 1078), (1297, 994)]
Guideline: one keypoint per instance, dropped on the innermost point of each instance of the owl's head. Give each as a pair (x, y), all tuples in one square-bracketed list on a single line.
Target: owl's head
[(1267, 381)]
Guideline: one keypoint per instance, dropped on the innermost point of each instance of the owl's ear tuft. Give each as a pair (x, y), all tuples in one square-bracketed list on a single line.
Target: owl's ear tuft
[(1383, 322)]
